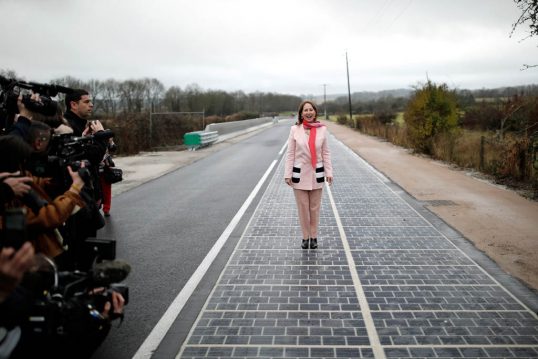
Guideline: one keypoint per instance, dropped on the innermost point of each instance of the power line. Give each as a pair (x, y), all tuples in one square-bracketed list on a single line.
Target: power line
[(377, 15), (400, 14)]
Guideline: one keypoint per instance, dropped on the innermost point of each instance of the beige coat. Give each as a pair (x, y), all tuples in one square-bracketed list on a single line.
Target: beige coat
[(298, 159)]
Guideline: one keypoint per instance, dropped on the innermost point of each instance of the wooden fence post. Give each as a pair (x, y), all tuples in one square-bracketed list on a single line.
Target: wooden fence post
[(482, 144)]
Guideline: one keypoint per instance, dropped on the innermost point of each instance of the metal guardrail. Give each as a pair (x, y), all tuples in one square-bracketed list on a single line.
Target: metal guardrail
[(197, 139), (225, 128)]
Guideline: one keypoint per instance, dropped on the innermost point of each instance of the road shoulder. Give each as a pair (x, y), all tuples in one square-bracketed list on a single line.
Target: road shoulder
[(496, 220)]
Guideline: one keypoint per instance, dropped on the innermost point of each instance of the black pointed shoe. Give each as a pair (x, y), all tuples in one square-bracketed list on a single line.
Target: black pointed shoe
[(313, 243), (304, 245)]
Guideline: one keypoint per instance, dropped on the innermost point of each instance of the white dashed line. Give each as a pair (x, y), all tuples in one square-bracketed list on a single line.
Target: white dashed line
[(379, 353)]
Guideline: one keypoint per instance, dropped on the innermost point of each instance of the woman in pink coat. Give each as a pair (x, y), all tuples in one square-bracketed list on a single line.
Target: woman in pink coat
[(308, 164)]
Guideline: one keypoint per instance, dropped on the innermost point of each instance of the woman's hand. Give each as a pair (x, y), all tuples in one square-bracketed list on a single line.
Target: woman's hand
[(19, 185), (117, 305), (288, 181), (329, 181), (78, 182)]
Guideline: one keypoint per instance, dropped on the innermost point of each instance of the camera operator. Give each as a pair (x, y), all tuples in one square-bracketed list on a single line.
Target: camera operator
[(39, 135), (75, 308), (79, 109), (44, 215), (13, 264), (14, 301), (42, 224), (23, 120), (34, 132)]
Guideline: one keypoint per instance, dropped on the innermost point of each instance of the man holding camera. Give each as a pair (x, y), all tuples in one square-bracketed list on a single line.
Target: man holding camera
[(23, 119), (79, 109)]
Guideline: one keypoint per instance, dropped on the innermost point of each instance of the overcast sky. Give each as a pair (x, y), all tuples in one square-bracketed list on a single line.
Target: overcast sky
[(283, 46)]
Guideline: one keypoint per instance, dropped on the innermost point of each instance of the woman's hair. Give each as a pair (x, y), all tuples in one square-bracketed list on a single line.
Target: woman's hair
[(15, 152), (300, 111)]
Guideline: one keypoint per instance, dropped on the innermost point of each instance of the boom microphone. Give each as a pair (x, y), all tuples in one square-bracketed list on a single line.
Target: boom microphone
[(108, 272)]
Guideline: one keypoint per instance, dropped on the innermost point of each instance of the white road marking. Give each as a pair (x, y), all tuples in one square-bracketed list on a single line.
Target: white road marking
[(159, 331), (379, 353), (282, 149)]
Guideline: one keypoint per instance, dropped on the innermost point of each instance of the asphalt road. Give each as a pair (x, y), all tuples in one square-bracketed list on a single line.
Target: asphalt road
[(164, 229)]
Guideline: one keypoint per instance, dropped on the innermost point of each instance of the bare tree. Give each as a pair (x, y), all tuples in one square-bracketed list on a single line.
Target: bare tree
[(132, 95), (95, 88), (153, 92), (240, 101), (111, 97), (173, 99), (193, 96), (528, 15), (9, 74), (69, 81)]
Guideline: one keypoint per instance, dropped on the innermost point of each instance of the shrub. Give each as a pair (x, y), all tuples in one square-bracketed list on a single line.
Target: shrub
[(213, 119), (432, 110), (385, 117), (131, 132), (483, 116), (444, 148), (342, 119), (240, 116)]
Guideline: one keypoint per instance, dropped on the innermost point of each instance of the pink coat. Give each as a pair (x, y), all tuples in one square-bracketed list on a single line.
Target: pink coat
[(298, 163)]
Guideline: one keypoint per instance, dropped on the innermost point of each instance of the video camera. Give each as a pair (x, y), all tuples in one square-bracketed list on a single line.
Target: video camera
[(66, 150), (65, 313), (64, 298), (10, 89), (67, 316)]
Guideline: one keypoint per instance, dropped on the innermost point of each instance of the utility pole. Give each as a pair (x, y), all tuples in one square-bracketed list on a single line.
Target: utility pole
[(325, 101), (349, 95)]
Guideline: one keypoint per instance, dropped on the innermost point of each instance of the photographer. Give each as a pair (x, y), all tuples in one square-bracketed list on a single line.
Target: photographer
[(38, 135), (79, 109), (64, 314), (13, 264), (44, 216), (23, 119), (14, 301), (86, 330)]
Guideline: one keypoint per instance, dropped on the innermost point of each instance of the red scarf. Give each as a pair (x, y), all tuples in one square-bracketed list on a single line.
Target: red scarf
[(312, 139)]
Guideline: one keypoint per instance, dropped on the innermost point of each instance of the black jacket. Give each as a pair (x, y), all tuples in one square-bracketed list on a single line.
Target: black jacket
[(76, 123), (95, 152), (21, 128)]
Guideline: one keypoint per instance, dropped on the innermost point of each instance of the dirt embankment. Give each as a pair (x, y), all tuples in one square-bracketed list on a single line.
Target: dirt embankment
[(498, 221)]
